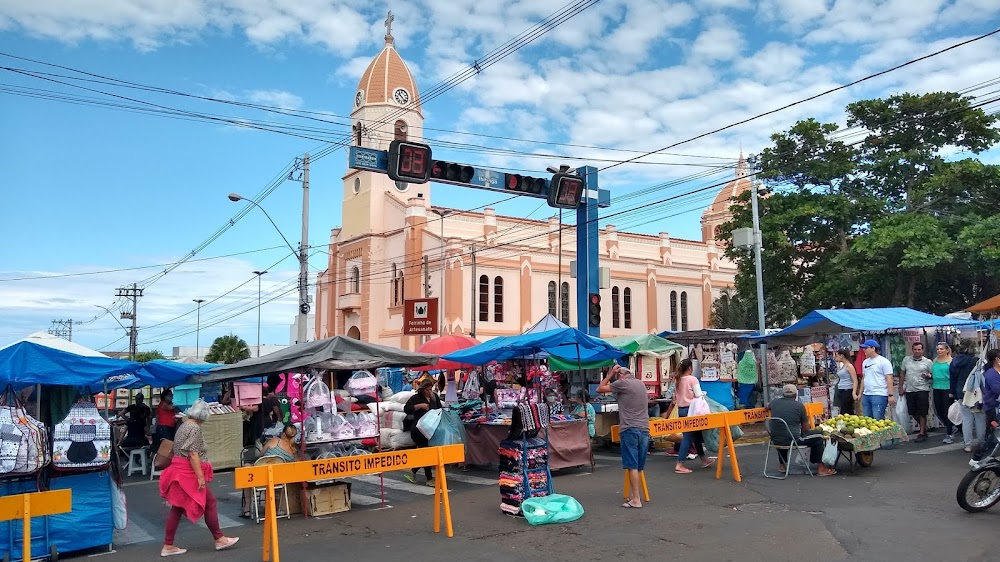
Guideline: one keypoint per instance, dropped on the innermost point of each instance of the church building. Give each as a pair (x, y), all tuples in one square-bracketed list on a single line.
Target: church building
[(498, 275)]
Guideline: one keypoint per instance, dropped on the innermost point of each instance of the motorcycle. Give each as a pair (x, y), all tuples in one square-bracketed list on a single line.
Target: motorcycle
[(979, 490)]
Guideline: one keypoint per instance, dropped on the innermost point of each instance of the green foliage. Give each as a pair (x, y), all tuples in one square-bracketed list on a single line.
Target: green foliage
[(729, 311), (884, 221), (144, 356), (228, 349)]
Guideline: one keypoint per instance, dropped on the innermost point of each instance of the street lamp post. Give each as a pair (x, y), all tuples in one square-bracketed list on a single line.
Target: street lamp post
[(258, 274), (442, 213), (197, 332), (302, 254), (759, 269)]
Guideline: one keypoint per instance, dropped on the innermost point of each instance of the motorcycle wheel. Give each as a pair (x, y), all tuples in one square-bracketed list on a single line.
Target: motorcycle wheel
[(979, 491)]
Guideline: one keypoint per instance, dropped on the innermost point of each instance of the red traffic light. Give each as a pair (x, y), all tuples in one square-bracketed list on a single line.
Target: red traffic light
[(595, 298), (565, 191), (451, 172), (525, 184)]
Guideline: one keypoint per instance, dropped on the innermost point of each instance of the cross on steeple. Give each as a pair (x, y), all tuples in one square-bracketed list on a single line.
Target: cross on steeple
[(388, 27)]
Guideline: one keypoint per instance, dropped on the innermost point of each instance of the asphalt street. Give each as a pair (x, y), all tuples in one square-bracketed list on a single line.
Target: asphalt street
[(903, 507)]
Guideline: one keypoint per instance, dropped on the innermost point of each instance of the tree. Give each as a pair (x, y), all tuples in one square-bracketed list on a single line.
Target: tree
[(144, 356), (883, 220), (228, 349), (730, 312)]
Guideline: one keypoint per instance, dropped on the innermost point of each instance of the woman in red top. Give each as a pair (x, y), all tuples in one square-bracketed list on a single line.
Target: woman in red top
[(166, 421)]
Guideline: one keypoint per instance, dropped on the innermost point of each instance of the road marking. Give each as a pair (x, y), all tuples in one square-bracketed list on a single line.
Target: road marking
[(134, 532), (361, 499), (395, 485), (608, 457), (938, 450), (224, 522)]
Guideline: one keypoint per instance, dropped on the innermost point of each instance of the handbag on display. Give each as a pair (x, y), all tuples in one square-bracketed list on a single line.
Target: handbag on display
[(82, 439), (23, 439)]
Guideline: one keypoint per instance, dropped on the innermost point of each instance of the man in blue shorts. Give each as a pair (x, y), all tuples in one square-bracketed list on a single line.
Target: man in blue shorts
[(633, 419)]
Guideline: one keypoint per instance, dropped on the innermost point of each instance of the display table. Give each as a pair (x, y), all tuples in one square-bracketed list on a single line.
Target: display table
[(88, 525), (224, 438), (569, 444)]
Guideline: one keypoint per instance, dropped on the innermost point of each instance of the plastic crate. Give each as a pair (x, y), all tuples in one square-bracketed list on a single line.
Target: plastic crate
[(247, 393), (186, 394)]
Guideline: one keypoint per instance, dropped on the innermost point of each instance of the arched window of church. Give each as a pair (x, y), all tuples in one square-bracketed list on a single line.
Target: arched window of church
[(552, 298), (498, 299), (717, 234), (684, 311), (673, 311), (355, 280), (616, 317), (564, 303), (357, 134), (395, 286), (484, 298), (627, 300), (399, 131)]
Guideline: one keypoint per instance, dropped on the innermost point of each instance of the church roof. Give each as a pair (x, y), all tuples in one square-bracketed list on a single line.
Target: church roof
[(731, 190), (388, 80)]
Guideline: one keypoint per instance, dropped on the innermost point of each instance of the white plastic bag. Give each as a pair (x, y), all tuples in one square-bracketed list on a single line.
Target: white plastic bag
[(699, 407), (955, 413), (830, 453), (902, 414), (428, 424), (118, 508)]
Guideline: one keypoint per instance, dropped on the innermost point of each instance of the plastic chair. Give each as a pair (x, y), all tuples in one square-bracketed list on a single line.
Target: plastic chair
[(137, 461), (795, 447), (279, 489)]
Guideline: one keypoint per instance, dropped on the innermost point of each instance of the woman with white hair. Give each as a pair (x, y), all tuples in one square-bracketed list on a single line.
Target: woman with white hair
[(184, 484)]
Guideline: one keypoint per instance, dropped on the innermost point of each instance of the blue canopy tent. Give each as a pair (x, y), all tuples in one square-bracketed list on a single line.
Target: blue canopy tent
[(820, 323), (31, 361), (566, 343)]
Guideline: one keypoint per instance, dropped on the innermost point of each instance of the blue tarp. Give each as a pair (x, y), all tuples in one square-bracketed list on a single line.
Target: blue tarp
[(872, 320), (26, 363), (165, 373), (567, 343)]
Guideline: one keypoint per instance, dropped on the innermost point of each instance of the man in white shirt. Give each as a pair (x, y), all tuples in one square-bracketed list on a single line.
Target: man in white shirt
[(915, 386), (877, 384)]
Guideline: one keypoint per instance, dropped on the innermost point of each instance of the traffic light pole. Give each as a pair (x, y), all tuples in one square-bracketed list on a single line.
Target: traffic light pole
[(587, 251)]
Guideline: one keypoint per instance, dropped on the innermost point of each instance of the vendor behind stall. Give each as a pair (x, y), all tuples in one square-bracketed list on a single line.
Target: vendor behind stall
[(137, 420), (582, 409), (554, 401), (794, 414), (283, 446)]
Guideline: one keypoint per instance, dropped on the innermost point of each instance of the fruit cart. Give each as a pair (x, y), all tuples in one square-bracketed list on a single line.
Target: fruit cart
[(858, 438)]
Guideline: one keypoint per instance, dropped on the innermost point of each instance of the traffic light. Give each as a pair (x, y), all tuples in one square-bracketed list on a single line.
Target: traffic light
[(409, 162), (594, 309), (565, 191), (451, 172), (525, 184)]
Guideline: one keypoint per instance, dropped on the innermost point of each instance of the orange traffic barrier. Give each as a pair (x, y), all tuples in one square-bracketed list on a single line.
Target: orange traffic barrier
[(271, 475), (721, 421), (35, 504)]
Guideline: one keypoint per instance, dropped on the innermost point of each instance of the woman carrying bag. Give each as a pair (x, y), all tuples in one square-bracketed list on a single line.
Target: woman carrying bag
[(422, 402), (687, 394)]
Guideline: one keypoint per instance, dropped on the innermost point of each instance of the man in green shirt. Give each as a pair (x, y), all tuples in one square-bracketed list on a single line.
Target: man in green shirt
[(916, 372)]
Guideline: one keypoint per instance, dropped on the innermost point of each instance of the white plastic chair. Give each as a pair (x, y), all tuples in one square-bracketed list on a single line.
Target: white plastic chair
[(281, 489)]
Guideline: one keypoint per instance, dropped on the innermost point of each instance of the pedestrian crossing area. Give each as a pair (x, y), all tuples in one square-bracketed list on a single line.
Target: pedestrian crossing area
[(146, 525)]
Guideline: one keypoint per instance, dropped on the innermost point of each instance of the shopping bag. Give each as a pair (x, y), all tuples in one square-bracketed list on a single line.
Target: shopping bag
[(699, 407), (450, 430), (428, 424), (119, 511), (902, 414), (830, 453), (955, 413), (554, 508)]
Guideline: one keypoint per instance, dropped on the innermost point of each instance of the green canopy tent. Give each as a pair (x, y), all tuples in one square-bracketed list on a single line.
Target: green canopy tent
[(645, 345)]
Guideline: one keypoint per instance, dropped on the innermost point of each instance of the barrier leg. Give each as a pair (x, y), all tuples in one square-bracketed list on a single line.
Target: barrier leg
[(628, 486), (437, 498), (26, 529), (271, 520), (645, 489), (447, 501), (722, 454), (732, 455)]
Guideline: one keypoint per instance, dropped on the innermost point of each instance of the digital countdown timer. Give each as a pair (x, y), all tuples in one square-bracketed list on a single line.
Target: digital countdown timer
[(565, 191), (409, 162)]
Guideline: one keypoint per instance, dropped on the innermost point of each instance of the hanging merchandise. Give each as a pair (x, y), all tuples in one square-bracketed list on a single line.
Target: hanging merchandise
[(787, 367), (807, 362), (317, 395), (24, 441), (367, 425), (83, 439), (746, 371), (729, 366), (362, 383), (773, 370), (472, 388)]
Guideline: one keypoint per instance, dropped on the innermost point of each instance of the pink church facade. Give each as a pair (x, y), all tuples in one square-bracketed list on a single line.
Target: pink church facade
[(393, 244)]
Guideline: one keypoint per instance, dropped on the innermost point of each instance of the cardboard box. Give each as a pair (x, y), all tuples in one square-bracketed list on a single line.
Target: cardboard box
[(325, 499)]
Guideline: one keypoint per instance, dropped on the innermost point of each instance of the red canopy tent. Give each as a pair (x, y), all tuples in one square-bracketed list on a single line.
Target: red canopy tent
[(443, 345)]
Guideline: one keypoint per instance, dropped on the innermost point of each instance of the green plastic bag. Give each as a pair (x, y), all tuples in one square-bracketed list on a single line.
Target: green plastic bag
[(711, 436), (554, 508)]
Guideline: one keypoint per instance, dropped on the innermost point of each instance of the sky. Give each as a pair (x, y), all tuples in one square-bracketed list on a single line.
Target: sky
[(99, 197)]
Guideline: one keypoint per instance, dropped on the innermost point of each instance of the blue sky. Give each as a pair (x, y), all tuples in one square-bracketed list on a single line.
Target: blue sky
[(92, 189)]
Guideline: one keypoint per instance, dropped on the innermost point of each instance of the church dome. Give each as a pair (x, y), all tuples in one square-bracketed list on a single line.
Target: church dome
[(731, 191), (387, 80)]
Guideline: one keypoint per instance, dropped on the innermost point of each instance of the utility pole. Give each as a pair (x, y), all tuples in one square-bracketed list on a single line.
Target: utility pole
[(131, 292), (442, 214), (426, 273), (258, 274), (762, 326), (473, 283), (302, 321), (197, 330), (559, 313), (63, 329)]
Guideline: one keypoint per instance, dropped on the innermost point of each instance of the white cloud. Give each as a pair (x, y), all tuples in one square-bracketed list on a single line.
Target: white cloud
[(720, 42), (276, 98), (775, 61)]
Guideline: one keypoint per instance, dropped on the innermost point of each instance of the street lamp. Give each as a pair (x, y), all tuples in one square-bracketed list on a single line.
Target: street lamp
[(197, 332), (301, 254), (442, 213), (258, 274)]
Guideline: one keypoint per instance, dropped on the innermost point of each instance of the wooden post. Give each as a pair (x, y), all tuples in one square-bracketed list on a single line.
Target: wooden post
[(271, 520), (441, 486), (26, 529)]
